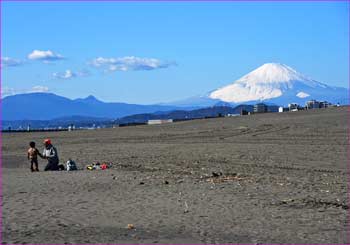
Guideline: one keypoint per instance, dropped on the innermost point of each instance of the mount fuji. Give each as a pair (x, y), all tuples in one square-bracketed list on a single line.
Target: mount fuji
[(271, 83)]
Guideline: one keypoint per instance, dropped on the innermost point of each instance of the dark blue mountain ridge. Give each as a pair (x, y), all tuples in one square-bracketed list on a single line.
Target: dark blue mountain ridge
[(47, 106)]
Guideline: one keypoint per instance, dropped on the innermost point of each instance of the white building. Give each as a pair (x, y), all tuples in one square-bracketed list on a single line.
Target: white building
[(293, 107), (159, 121)]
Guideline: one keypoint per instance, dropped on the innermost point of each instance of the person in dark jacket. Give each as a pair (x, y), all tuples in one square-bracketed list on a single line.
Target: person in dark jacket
[(50, 153)]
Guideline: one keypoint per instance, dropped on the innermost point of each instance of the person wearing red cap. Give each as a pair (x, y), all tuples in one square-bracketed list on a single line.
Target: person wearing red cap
[(50, 153)]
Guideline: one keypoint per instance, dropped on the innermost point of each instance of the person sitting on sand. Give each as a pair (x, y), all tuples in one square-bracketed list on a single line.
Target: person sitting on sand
[(33, 157), (50, 153)]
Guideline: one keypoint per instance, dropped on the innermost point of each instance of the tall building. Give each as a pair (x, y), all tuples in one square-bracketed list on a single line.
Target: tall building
[(324, 104), (260, 108), (312, 104)]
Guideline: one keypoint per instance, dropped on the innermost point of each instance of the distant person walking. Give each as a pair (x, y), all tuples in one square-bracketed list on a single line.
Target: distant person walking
[(50, 153)]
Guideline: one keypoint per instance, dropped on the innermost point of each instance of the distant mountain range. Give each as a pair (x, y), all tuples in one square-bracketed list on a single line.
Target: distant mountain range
[(48, 106), (272, 83)]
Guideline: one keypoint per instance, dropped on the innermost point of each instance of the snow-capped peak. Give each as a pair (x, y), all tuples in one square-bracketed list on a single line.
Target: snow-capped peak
[(268, 81), (273, 72)]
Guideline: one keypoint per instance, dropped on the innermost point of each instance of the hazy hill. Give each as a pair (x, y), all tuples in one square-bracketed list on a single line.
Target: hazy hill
[(47, 106)]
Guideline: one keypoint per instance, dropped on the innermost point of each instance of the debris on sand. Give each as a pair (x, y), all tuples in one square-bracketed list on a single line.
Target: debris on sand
[(141, 183), (186, 208), (166, 182), (286, 201), (131, 226), (216, 174), (225, 178), (312, 203), (99, 166)]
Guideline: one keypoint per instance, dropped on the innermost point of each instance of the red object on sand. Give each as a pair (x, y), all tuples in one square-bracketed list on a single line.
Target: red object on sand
[(104, 166)]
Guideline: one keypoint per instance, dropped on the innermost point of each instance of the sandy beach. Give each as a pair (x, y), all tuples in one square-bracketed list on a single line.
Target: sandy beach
[(268, 178)]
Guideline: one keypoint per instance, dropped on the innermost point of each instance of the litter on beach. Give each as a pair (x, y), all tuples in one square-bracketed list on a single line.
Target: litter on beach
[(222, 179), (99, 166)]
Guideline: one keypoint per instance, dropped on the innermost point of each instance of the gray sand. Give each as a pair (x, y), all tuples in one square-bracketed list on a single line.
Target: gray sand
[(284, 181)]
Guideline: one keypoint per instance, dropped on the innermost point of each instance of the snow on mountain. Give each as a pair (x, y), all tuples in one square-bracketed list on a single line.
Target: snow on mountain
[(272, 83), (269, 81), (302, 95)]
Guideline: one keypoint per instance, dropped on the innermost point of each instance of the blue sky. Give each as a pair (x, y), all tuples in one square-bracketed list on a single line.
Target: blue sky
[(152, 52)]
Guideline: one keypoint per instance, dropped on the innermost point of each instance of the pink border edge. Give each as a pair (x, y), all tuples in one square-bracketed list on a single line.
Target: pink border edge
[(348, 114), (1, 196), (348, 136)]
